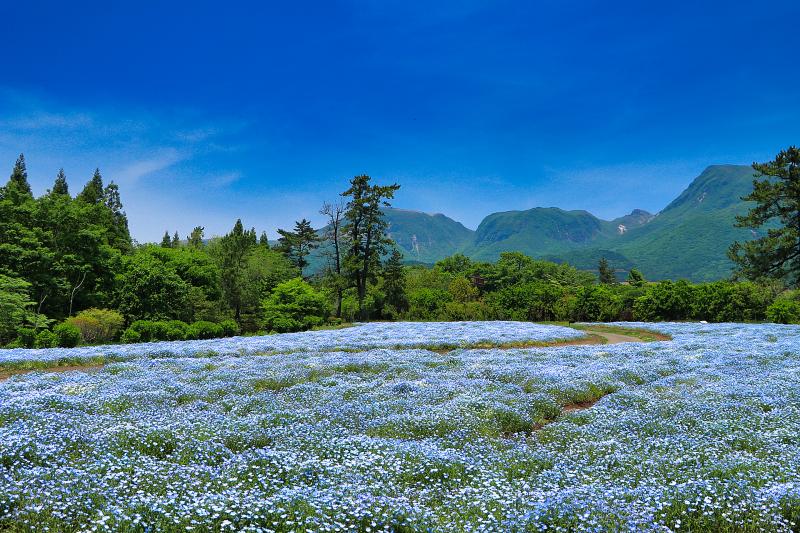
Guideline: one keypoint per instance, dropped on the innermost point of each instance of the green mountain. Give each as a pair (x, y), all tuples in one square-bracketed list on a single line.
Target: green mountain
[(547, 231), (690, 237), (687, 239), (425, 238)]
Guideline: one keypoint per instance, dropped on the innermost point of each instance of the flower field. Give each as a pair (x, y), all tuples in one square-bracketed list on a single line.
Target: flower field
[(361, 429), (376, 335)]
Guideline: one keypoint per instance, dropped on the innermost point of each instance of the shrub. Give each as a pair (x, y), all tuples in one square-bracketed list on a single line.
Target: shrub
[(151, 331), (204, 330), (597, 304), (130, 336), (46, 339), (784, 312), (426, 304), (26, 337), (67, 335), (294, 305), (229, 328), (175, 330), (98, 325), (665, 300)]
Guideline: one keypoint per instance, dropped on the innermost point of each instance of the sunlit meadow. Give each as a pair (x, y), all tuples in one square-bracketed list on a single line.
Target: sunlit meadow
[(363, 429)]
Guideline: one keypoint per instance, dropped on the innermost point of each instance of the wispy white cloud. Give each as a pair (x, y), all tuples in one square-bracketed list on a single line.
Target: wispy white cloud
[(130, 144), (163, 159), (223, 180)]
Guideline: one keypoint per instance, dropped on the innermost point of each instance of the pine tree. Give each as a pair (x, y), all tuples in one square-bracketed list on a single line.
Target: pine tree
[(92, 193), (234, 250), (777, 200), (165, 240), (263, 241), (60, 186), (366, 228), (176, 240), (298, 244), (394, 282), (19, 175), (119, 229), (635, 278), (18, 190), (196, 237), (607, 276)]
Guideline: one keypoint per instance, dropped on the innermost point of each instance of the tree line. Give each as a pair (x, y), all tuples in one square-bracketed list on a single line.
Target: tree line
[(70, 272)]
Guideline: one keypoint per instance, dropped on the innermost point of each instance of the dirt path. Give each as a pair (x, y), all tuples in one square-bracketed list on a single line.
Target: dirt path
[(81, 368), (614, 338)]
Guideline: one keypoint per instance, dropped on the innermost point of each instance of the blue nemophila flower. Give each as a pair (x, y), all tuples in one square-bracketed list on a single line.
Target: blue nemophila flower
[(699, 433)]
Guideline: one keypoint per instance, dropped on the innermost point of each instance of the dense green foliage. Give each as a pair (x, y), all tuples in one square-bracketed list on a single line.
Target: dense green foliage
[(777, 198), (70, 274), (294, 305), (517, 287), (98, 326)]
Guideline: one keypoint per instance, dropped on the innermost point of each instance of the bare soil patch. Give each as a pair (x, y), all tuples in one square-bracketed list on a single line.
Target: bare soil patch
[(80, 368)]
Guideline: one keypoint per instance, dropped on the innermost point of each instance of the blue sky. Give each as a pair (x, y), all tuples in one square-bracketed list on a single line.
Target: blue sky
[(206, 112)]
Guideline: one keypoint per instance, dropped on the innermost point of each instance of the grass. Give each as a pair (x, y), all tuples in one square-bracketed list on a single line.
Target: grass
[(643, 334)]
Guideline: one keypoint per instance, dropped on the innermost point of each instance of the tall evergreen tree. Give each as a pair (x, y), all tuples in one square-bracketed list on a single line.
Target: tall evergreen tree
[(92, 193), (19, 176), (262, 240), (234, 250), (166, 242), (394, 282), (176, 240), (777, 202), (366, 228), (298, 244), (18, 190), (196, 237), (60, 186), (121, 236), (607, 276)]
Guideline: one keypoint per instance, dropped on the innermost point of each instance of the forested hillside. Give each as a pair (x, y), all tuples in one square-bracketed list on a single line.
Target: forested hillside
[(687, 239)]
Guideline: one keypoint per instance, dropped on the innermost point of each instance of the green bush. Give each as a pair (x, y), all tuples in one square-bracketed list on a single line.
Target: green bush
[(784, 312), (427, 304), (149, 331), (204, 330), (666, 300), (131, 336), (597, 304), (229, 328), (98, 326), (152, 331), (294, 305), (175, 330), (26, 337), (46, 339), (67, 335)]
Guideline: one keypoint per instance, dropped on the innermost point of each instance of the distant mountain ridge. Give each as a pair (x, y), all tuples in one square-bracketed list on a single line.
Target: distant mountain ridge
[(687, 239)]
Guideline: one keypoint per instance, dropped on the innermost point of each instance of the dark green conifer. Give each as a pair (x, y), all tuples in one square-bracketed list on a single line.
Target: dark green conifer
[(92, 193), (60, 186)]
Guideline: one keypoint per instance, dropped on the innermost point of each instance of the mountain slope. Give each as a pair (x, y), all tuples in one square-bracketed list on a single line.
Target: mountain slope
[(426, 238), (690, 237), (687, 239), (547, 231)]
